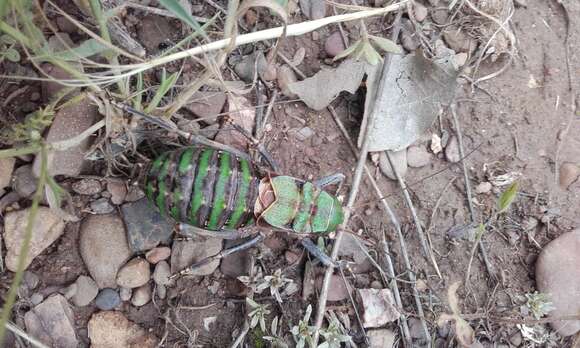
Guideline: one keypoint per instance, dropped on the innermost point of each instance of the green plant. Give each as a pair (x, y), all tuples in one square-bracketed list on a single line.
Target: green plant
[(333, 335), (7, 50), (275, 282), (276, 338), (303, 332), (258, 314), (539, 304), (366, 47)]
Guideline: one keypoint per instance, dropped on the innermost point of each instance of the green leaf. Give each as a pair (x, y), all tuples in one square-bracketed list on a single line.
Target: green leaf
[(371, 55), (386, 44), (7, 39), (88, 48), (139, 92), (175, 7), (164, 87), (12, 55), (348, 51), (507, 197)]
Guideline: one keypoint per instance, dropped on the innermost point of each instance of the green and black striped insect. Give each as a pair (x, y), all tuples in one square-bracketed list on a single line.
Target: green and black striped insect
[(213, 190)]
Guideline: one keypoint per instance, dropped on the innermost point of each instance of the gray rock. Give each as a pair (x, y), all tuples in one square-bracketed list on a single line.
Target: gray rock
[(378, 305), (134, 274), (236, 264), (103, 247), (155, 255), (440, 16), (107, 299), (399, 161), (134, 193), (146, 228), (334, 44), (111, 329), (118, 191), (102, 206), (458, 40), (141, 296), (87, 187), (69, 291), (161, 273), (69, 121), (52, 322), (30, 280), (6, 168), (286, 76), (558, 275), (350, 249), (125, 294), (452, 150), (86, 291), (36, 298), (483, 187), (153, 31), (304, 133), (420, 11), (246, 68), (185, 253), (46, 229), (313, 9), (24, 181), (418, 156), (207, 105), (381, 338), (416, 329), (337, 291), (50, 88)]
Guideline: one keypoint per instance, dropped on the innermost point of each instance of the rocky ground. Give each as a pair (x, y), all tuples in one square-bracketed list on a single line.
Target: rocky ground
[(97, 273)]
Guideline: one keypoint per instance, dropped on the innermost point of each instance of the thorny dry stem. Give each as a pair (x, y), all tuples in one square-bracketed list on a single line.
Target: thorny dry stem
[(353, 193), (469, 195), (418, 225)]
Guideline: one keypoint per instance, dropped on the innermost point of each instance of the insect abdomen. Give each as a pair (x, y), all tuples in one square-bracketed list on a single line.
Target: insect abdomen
[(203, 187)]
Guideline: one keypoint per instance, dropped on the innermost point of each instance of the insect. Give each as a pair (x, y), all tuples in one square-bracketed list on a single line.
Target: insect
[(212, 190)]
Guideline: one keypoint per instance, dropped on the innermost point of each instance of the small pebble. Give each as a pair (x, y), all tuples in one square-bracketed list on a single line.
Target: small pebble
[(417, 156), (107, 299), (141, 295), (125, 294), (118, 191), (286, 76), (483, 187), (161, 291), (31, 280), (6, 168), (157, 254), (162, 273), (399, 159), (134, 274), (86, 291), (452, 150), (87, 187), (457, 39), (440, 16), (101, 206), (69, 291), (304, 133), (334, 44), (420, 11), (436, 146), (569, 173), (24, 181), (36, 298)]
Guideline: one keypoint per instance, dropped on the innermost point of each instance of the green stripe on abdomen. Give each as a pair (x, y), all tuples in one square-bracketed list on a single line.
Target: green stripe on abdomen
[(241, 196), (219, 199), (301, 223), (197, 193)]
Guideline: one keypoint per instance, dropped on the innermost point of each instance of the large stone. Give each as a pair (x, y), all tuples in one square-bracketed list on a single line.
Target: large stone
[(110, 329), (6, 167), (52, 322), (146, 228), (186, 253), (134, 274), (207, 105), (71, 120), (558, 276), (46, 229), (103, 247)]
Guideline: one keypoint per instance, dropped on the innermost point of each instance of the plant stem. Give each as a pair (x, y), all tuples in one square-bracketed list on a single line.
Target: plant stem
[(24, 248)]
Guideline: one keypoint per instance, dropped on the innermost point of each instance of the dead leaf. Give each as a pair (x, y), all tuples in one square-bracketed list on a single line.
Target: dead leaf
[(463, 331), (415, 89), (242, 113), (346, 77)]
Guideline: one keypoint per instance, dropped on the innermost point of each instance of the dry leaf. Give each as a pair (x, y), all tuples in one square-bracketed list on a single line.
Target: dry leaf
[(242, 113)]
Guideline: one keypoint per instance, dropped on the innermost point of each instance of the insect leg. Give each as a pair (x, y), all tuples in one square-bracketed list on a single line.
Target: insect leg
[(250, 243), (316, 252), (189, 230), (336, 178)]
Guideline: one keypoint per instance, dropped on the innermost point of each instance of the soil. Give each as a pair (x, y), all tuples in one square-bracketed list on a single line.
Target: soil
[(507, 126)]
